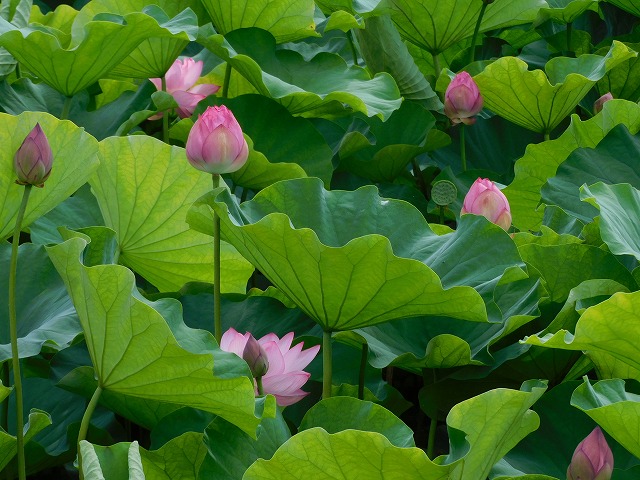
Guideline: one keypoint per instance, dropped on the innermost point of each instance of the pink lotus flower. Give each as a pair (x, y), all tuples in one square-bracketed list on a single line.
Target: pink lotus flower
[(33, 159), (592, 459), (284, 376), (462, 100), (215, 143), (181, 78), (598, 104), (485, 199)]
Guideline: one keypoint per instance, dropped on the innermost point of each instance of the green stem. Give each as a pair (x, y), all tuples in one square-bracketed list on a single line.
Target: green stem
[(13, 330), (18, 72), (472, 54), (422, 186), (363, 366), (436, 64), (66, 108), (165, 115), (569, 31), (4, 413), (217, 318), (546, 136), (244, 194), (327, 366), (431, 441), (227, 78), (463, 149), (84, 424), (259, 383), (441, 214), (354, 53)]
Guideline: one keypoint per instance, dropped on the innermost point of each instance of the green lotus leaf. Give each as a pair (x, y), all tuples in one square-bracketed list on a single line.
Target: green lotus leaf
[(609, 327), (614, 409), (74, 160), (623, 81), (493, 423), (362, 8), (619, 207), (436, 25), (144, 188), (325, 85), (133, 350), (628, 5), (68, 62), (540, 162), (566, 11), (286, 20), (343, 275), (348, 455), (154, 55), (180, 458), (533, 101), (121, 460), (343, 413), (38, 421)]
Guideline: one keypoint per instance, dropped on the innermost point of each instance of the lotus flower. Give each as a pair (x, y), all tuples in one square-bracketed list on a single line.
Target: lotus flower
[(284, 376), (181, 78), (592, 459), (598, 104), (486, 199), (33, 159), (462, 100), (215, 143)]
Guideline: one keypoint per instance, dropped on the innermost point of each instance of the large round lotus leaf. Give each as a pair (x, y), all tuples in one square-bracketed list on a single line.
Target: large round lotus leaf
[(74, 160), (144, 188), (628, 5), (531, 100), (566, 11), (343, 273)]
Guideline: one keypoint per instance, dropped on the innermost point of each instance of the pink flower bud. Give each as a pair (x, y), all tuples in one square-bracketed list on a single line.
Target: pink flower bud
[(592, 459), (485, 199), (33, 159), (462, 100), (598, 104), (180, 80), (215, 143), (256, 357)]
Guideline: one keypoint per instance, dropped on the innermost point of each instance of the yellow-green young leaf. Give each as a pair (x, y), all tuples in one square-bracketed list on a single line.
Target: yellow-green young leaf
[(566, 11), (348, 455), (144, 188), (74, 160), (540, 162), (38, 420), (286, 20), (533, 101), (133, 350)]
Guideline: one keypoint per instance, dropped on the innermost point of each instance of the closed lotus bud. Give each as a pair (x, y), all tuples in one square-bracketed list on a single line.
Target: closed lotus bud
[(598, 104), (215, 143), (256, 357), (592, 459), (462, 100), (486, 199), (33, 159)]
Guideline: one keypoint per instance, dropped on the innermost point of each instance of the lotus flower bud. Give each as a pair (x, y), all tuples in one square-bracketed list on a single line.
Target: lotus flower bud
[(215, 143), (486, 199), (598, 104), (462, 100), (592, 459), (256, 357), (33, 159)]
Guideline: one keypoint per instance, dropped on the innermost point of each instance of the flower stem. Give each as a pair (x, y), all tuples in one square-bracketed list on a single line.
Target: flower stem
[(165, 115), (472, 55), (463, 150), (227, 78), (436, 64), (327, 366), (441, 214), (84, 424), (259, 383), (13, 330), (363, 366), (217, 318), (66, 108), (354, 53)]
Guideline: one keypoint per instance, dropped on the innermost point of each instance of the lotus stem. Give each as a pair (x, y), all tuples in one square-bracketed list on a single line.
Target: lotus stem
[(363, 367), (227, 78), (84, 424), (259, 384), (419, 178), (217, 318), (463, 150), (352, 45), (441, 214), (431, 441), (4, 413), (327, 366), (472, 54), (13, 330), (546, 136), (66, 108), (436, 64), (569, 31), (165, 115)]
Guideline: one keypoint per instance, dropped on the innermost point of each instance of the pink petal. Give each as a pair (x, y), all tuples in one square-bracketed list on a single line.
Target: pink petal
[(298, 359), (187, 102), (276, 360), (234, 342), (285, 383), (205, 89)]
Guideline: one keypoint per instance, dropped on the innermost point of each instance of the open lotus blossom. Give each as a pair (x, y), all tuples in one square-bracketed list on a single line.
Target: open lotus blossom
[(462, 99), (33, 160), (592, 459), (285, 375), (485, 198), (599, 103), (181, 78)]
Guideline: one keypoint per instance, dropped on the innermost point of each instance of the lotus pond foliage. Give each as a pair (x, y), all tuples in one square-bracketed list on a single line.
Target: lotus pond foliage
[(331, 239)]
